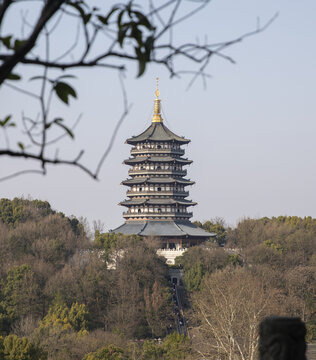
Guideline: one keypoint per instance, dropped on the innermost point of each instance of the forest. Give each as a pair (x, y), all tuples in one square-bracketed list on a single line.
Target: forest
[(66, 294)]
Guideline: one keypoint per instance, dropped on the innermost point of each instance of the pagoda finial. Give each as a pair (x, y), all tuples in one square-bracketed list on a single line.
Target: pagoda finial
[(157, 108)]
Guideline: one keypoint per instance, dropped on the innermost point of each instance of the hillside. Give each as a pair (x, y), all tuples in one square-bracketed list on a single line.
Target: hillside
[(63, 296)]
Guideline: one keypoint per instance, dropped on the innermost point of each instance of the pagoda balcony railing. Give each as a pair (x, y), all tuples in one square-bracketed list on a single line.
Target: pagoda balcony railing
[(157, 215), (156, 192), (136, 151), (157, 172)]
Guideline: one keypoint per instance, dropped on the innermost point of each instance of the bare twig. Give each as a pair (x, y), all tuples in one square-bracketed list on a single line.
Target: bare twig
[(23, 91), (57, 139), (118, 125), (23, 172)]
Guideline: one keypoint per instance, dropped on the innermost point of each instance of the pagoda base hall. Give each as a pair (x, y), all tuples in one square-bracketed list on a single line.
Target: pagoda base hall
[(173, 235), (157, 200)]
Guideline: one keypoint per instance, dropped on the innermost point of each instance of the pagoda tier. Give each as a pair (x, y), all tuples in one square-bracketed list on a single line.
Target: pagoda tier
[(156, 159), (157, 178), (157, 201), (156, 133)]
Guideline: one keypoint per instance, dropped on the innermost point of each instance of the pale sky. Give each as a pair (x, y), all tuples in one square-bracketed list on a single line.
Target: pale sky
[(252, 130)]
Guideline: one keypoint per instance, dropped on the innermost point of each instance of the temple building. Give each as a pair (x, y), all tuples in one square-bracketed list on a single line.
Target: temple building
[(157, 197)]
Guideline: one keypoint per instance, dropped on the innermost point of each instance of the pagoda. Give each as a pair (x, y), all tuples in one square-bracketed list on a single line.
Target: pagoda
[(157, 197)]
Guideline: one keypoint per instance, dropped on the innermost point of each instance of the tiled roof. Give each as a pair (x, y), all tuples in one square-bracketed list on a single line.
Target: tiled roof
[(162, 228), (157, 180), (157, 131)]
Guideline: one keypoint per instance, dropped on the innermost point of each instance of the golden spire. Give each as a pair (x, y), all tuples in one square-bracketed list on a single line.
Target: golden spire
[(157, 108)]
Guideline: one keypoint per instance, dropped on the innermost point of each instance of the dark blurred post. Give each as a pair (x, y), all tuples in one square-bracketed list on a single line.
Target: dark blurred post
[(282, 338)]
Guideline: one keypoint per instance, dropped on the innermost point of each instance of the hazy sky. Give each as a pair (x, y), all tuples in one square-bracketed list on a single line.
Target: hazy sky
[(252, 130)]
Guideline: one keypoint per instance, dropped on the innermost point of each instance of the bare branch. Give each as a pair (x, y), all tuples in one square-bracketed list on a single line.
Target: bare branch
[(63, 66), (48, 11), (45, 160)]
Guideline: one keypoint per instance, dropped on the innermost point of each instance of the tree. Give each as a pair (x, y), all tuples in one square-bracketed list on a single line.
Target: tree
[(21, 293), (138, 304), (128, 32), (110, 352), (230, 306), (216, 226), (301, 288), (16, 211), (201, 260), (14, 348), (174, 347), (59, 315)]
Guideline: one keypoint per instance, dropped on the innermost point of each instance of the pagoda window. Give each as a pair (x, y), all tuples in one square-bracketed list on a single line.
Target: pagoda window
[(159, 210), (146, 188), (142, 167), (159, 189), (152, 167), (139, 210), (167, 188), (168, 208), (151, 209), (158, 146), (140, 189), (158, 167), (151, 188)]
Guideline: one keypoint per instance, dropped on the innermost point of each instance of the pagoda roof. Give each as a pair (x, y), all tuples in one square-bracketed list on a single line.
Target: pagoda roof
[(157, 201), (140, 159), (156, 180), (157, 131), (162, 228)]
